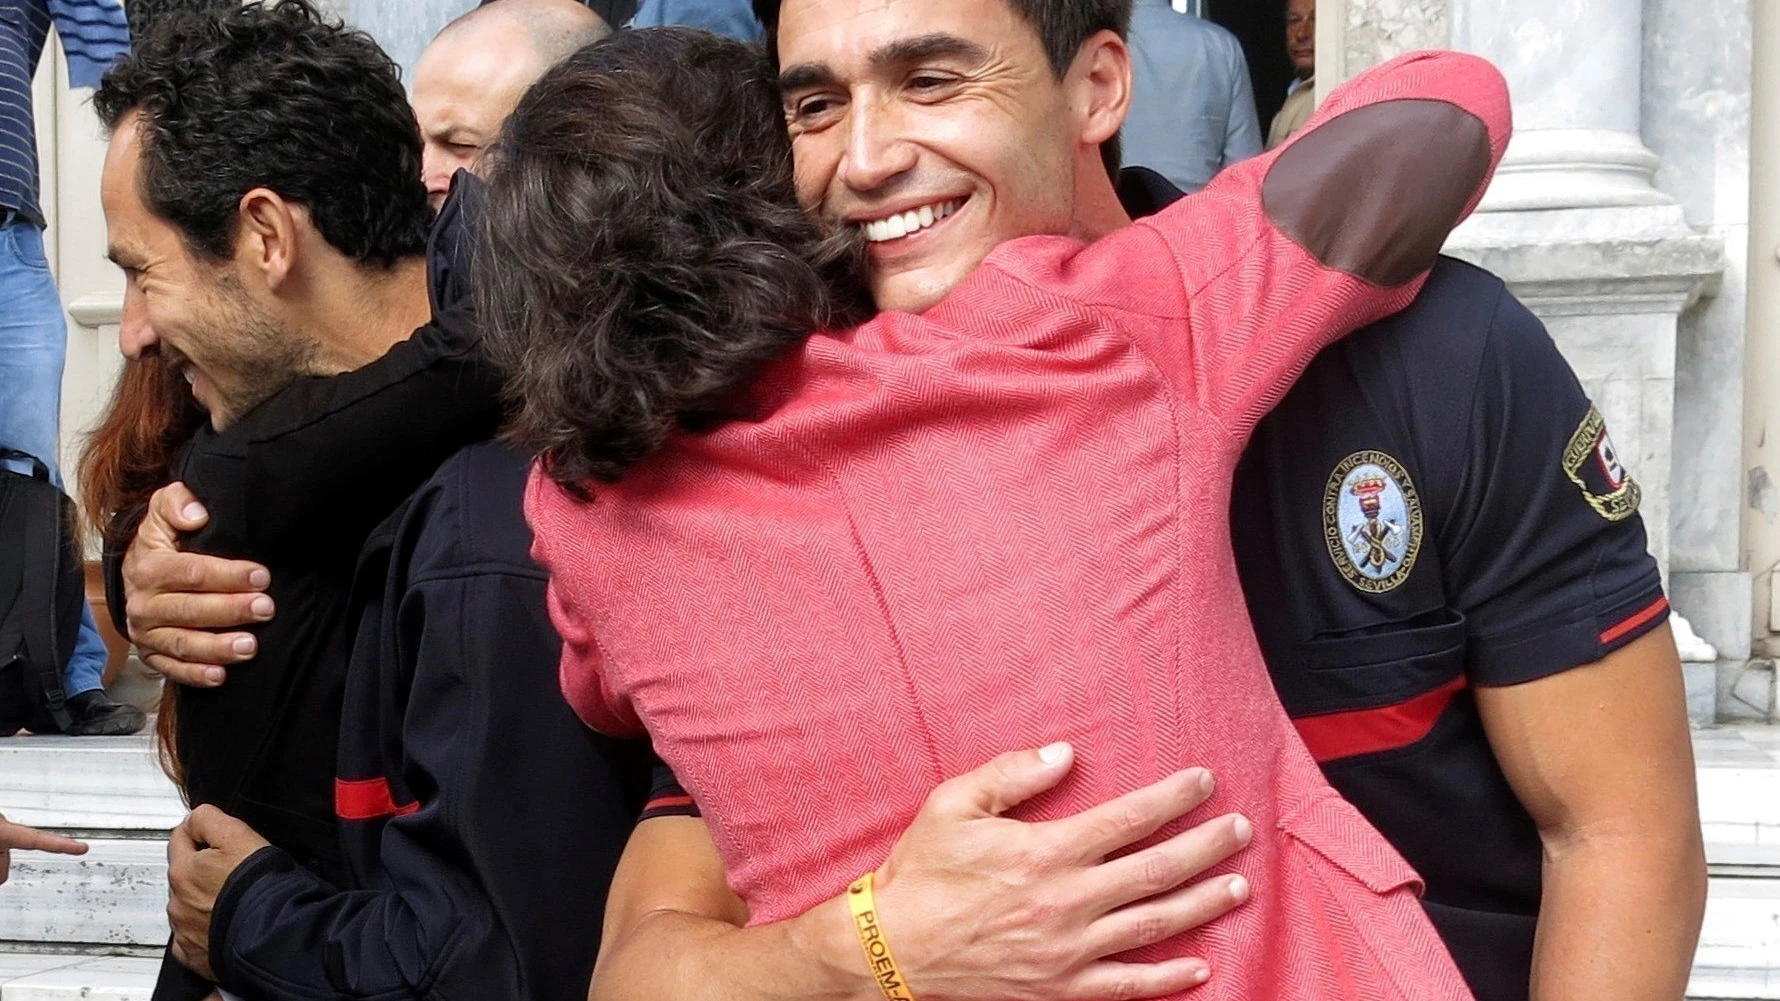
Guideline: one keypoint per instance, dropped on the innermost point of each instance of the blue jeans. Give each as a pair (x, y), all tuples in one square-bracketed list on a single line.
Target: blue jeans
[(33, 349)]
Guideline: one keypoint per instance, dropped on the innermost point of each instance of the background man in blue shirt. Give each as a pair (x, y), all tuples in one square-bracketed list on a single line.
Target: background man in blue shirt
[(1193, 105), (33, 334), (734, 18)]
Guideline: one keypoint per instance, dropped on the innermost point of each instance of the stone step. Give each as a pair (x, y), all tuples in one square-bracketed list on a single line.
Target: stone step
[(98, 784), (114, 898), (115, 895), (1739, 779), (1740, 941), (31, 977)]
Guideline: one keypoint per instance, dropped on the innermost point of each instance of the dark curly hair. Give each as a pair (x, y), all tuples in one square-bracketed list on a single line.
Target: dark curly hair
[(273, 96), (644, 256)]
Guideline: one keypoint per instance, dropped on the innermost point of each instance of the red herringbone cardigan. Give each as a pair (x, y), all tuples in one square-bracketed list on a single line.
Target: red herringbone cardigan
[(1004, 523)]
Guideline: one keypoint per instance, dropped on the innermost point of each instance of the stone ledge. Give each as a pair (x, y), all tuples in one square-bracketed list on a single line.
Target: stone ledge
[(87, 784), (1742, 928), (1665, 275), (26, 977), (1638, 259), (1708, 984), (115, 895)]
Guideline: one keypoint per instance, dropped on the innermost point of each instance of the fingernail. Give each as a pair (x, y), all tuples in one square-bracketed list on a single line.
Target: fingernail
[(259, 580), (1054, 753), (216, 675), (1205, 782), (1243, 830), (244, 645), (192, 512), (262, 607), (1238, 889), (1202, 974)]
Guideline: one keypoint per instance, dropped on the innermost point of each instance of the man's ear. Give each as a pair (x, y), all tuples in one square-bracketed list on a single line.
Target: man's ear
[(1100, 85), (268, 239)]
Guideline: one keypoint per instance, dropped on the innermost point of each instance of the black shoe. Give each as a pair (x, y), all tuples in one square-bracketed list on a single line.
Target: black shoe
[(95, 715)]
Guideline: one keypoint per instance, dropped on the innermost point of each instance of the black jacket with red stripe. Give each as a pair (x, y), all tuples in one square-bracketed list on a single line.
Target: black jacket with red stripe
[(481, 821)]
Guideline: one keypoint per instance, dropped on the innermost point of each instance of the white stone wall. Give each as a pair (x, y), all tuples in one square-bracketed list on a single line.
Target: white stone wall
[(1761, 522), (1619, 216), (1696, 117), (402, 27)]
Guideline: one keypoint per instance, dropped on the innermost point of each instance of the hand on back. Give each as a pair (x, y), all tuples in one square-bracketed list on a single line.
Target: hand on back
[(979, 907), (185, 610)]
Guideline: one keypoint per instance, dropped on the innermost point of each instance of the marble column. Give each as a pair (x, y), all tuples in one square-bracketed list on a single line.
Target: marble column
[(1575, 223), (1578, 227), (1576, 70)]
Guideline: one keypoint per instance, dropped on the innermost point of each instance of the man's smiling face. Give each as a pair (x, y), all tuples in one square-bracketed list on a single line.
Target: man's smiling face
[(194, 312), (937, 126)]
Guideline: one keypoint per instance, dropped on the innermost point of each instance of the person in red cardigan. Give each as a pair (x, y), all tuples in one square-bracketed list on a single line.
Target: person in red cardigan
[(825, 571)]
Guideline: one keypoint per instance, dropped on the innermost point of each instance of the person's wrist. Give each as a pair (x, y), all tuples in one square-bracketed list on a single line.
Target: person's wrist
[(826, 938), (874, 941)]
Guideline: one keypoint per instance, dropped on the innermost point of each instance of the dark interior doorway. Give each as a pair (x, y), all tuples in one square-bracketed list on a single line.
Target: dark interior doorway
[(1261, 27)]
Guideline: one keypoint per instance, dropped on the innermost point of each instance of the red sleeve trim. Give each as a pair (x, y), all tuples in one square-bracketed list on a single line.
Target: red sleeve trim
[(1368, 731), (368, 799), (670, 802), (1637, 621)]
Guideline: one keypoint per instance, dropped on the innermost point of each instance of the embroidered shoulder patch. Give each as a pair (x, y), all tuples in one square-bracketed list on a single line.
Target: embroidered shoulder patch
[(1372, 521), (1593, 464)]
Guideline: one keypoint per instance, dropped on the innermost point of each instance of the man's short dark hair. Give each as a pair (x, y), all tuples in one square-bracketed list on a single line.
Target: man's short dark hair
[(1062, 26), (273, 96)]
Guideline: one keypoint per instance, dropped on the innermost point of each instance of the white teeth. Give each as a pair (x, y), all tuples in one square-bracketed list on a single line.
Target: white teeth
[(191, 376), (913, 221)]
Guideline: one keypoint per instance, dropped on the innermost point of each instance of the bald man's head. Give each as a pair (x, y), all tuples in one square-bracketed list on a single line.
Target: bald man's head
[(473, 74)]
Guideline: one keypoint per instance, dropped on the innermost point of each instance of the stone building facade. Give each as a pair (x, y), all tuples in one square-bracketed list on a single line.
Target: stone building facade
[(1622, 216)]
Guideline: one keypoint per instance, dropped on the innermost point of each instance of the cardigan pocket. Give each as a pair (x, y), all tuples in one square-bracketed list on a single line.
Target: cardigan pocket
[(1332, 828), (1353, 897)]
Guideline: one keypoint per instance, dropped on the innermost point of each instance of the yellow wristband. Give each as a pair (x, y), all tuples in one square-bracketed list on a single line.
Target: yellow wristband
[(871, 936)]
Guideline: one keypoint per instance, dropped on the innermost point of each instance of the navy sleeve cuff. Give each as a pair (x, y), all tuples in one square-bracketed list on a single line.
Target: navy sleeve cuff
[(261, 865), (667, 798), (1579, 641)]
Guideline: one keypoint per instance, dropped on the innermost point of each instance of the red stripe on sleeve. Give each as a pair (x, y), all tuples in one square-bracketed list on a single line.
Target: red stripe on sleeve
[(1632, 624), (667, 803), (367, 799), (1366, 731)]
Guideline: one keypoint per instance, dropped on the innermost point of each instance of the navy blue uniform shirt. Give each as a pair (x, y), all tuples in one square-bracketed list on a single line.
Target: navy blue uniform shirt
[(1436, 506)]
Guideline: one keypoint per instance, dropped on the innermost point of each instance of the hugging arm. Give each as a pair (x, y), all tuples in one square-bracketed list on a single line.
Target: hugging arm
[(1285, 253), (977, 907)]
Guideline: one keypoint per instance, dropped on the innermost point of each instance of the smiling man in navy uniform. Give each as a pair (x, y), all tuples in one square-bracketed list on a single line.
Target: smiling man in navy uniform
[(1445, 565)]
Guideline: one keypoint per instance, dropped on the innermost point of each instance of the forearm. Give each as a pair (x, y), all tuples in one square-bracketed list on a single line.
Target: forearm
[(279, 930), (1620, 916), (677, 956)]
